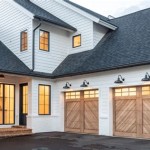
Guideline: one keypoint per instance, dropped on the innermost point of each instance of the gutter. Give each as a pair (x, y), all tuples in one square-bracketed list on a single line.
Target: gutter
[(33, 47)]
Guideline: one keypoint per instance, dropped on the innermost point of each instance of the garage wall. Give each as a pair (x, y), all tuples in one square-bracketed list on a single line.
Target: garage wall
[(42, 123), (104, 82)]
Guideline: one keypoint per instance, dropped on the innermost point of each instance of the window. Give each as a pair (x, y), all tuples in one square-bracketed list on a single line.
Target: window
[(76, 41), (7, 104), (125, 91), (24, 40), (44, 40), (72, 95), (91, 94), (44, 100)]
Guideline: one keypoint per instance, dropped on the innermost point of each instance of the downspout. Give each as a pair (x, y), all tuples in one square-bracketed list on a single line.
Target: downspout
[(33, 47)]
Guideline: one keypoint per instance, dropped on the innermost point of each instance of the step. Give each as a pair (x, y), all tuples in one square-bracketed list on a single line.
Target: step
[(12, 132)]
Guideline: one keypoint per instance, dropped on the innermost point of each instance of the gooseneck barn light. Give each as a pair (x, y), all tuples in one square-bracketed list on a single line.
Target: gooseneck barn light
[(147, 77), (67, 86), (85, 84), (120, 79)]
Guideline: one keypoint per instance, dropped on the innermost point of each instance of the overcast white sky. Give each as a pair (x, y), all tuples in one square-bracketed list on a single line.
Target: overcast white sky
[(114, 7)]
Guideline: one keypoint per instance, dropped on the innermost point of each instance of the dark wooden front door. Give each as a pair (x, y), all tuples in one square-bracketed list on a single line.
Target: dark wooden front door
[(23, 103)]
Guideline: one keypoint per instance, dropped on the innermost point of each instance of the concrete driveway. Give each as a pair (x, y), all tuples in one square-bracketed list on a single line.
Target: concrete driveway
[(68, 141)]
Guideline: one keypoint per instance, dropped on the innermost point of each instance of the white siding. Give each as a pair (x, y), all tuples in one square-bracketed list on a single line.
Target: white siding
[(12, 23), (43, 123), (58, 48), (83, 24), (104, 82), (98, 33)]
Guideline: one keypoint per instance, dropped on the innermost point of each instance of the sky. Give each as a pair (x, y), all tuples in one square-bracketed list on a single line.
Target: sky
[(114, 8)]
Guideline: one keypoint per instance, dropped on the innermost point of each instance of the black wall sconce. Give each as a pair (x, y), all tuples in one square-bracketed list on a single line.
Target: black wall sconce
[(85, 84), (67, 86), (146, 78), (2, 76), (120, 79)]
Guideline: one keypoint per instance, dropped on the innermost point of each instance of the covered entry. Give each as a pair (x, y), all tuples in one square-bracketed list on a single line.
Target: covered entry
[(132, 111), (81, 111)]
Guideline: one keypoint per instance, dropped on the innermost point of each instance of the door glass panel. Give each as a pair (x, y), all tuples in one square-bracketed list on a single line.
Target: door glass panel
[(25, 99), (9, 104)]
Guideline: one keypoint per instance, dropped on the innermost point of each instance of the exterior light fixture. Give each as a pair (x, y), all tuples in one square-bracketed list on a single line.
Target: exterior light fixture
[(67, 86), (120, 79), (85, 84), (146, 78), (2, 76)]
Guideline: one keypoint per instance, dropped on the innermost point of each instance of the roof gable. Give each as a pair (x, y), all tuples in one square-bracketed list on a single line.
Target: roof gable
[(128, 46), (42, 14), (100, 19)]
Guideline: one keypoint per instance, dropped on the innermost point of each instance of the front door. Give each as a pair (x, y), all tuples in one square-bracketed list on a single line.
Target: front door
[(23, 103)]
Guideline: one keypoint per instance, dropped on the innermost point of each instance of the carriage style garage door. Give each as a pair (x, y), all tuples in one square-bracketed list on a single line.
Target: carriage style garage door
[(132, 111), (81, 111)]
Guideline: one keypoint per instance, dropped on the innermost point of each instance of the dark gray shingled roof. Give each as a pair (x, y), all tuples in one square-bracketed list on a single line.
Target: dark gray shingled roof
[(40, 13), (88, 11), (128, 46), (10, 63)]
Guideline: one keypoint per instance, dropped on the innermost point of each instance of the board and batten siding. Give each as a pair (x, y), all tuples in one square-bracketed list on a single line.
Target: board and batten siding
[(47, 61), (81, 23), (13, 21)]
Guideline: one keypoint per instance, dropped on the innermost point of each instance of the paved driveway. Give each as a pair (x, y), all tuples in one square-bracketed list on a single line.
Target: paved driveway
[(66, 141)]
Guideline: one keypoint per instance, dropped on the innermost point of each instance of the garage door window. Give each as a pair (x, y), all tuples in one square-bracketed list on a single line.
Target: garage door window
[(146, 90), (91, 94), (125, 92), (72, 95)]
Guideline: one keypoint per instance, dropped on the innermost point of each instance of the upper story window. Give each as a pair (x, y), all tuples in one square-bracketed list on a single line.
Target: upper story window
[(77, 41), (44, 40), (24, 40)]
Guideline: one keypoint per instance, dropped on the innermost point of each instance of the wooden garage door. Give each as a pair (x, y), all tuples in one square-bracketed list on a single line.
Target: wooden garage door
[(81, 111), (132, 111)]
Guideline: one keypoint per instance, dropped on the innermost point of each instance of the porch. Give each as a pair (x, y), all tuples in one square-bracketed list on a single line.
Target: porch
[(15, 131), (14, 103)]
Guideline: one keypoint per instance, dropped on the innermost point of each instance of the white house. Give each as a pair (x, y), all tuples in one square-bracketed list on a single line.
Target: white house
[(66, 68)]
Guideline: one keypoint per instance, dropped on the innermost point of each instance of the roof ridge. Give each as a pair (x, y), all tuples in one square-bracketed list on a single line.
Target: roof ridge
[(130, 14), (102, 17)]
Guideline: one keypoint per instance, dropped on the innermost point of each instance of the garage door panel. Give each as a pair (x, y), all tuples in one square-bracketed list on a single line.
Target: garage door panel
[(72, 116), (125, 105), (146, 116), (146, 129), (81, 115), (127, 128)]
